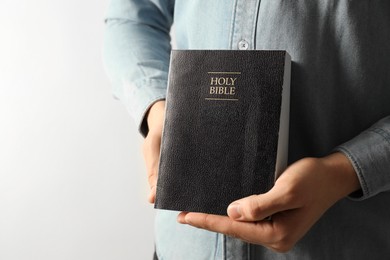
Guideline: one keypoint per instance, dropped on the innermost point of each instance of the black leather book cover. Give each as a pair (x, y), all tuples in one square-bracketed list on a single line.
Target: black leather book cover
[(226, 128)]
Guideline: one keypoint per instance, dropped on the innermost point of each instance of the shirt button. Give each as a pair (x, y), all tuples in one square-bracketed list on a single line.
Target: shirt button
[(243, 45)]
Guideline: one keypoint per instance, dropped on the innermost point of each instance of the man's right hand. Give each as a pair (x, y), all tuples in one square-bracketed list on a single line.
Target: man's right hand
[(151, 146)]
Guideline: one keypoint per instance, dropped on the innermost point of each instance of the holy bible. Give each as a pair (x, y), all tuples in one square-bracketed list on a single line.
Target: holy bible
[(225, 134)]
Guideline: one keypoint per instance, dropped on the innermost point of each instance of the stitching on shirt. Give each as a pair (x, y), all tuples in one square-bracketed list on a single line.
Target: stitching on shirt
[(248, 251), (216, 245), (382, 133), (151, 83), (359, 169), (233, 23), (145, 109), (223, 247), (255, 24)]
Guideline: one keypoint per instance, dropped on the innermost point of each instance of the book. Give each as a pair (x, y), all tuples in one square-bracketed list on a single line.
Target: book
[(225, 134)]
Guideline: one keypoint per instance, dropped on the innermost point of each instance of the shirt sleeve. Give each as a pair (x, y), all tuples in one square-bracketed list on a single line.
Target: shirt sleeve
[(369, 153), (136, 53)]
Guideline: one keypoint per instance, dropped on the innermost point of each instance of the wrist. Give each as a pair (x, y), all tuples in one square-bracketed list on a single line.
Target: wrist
[(155, 117), (345, 178)]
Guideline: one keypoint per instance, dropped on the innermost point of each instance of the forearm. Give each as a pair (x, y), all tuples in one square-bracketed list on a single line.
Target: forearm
[(136, 52)]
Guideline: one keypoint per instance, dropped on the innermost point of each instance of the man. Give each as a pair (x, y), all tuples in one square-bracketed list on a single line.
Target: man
[(332, 202)]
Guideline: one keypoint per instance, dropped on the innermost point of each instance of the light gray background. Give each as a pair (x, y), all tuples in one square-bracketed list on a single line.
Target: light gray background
[(72, 180)]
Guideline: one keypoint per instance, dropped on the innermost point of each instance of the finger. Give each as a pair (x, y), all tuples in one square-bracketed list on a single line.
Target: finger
[(151, 156), (151, 151), (152, 178), (260, 207), (259, 232), (152, 195), (181, 217)]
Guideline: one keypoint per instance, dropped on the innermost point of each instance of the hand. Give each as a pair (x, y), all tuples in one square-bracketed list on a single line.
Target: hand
[(298, 199), (151, 146)]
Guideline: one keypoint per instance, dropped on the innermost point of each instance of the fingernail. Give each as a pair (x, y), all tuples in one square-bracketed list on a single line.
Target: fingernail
[(234, 211), (180, 219), (187, 218)]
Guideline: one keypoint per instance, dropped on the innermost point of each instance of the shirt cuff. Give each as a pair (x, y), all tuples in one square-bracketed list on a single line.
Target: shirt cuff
[(140, 96), (369, 154)]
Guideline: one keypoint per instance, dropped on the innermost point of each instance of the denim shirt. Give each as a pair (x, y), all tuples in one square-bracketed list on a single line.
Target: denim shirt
[(340, 101)]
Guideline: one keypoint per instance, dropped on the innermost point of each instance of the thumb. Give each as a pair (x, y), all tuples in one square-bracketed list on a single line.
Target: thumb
[(258, 207)]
